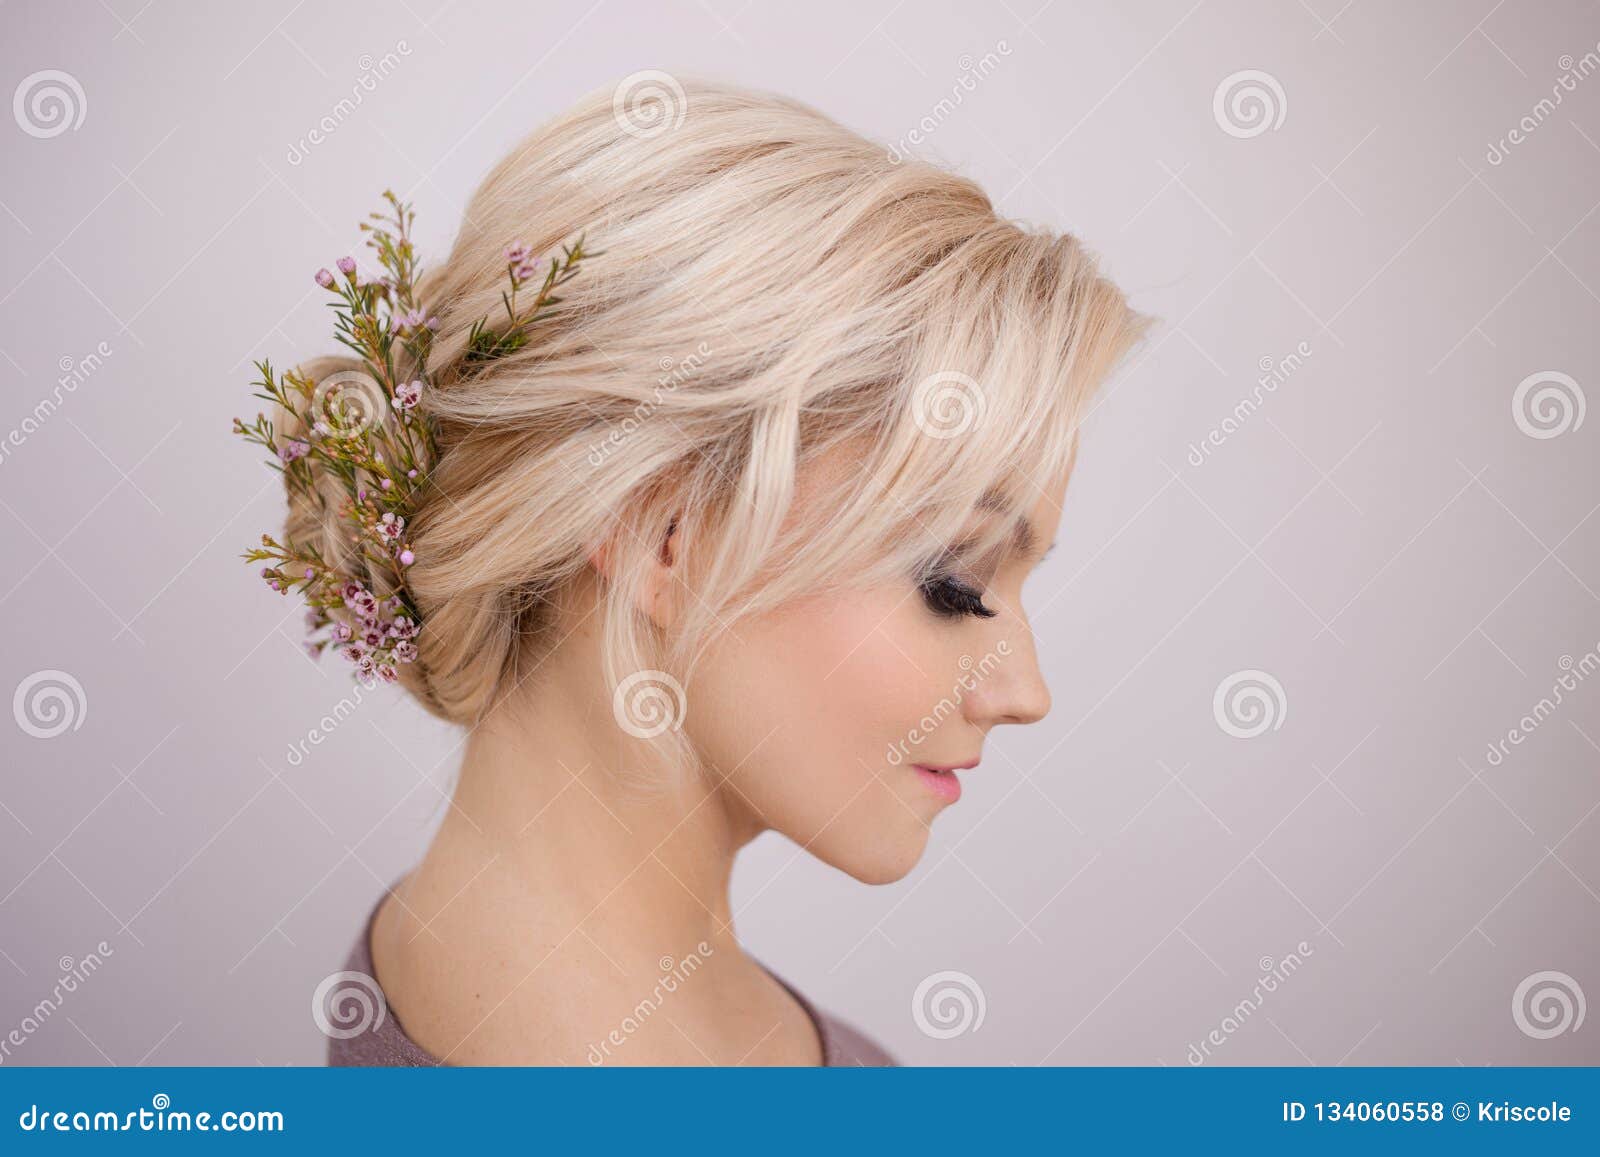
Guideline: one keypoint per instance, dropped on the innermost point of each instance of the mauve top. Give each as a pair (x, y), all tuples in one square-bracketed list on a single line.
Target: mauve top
[(386, 1043)]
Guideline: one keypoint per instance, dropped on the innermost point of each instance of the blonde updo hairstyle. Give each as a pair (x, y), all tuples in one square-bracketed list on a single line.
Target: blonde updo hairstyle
[(770, 287)]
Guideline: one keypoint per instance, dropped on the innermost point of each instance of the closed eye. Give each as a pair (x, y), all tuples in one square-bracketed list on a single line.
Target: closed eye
[(949, 597)]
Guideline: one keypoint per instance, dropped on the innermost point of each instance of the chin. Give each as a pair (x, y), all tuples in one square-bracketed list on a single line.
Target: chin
[(883, 864)]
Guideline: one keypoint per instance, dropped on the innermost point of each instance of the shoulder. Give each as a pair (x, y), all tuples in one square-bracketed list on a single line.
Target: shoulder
[(842, 1043), (848, 1045), (352, 1010)]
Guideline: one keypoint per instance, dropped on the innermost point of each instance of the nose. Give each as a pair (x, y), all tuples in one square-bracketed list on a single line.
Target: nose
[(1014, 690)]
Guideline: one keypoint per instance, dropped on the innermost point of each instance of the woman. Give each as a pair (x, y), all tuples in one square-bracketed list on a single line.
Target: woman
[(731, 538)]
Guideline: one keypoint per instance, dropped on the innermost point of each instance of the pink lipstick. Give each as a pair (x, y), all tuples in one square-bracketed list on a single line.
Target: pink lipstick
[(942, 781)]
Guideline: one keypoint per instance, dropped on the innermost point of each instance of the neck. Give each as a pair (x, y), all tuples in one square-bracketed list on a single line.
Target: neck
[(546, 825)]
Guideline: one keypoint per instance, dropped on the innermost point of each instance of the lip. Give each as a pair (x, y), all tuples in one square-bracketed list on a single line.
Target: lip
[(941, 778)]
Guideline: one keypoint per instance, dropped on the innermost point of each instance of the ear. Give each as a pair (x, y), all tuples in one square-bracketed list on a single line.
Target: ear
[(658, 583)]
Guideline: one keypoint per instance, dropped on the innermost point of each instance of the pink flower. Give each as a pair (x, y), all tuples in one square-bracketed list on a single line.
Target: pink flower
[(405, 652), (407, 395), (324, 279), (518, 253), (526, 270), (402, 627), (391, 526), (373, 639), (354, 652), (343, 633), (349, 591), (388, 673), (292, 449), (347, 265)]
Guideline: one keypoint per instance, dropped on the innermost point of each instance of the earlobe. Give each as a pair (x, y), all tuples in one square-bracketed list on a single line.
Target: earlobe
[(655, 597), (600, 560)]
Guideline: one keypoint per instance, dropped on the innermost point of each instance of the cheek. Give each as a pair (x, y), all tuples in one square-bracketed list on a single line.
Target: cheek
[(812, 698)]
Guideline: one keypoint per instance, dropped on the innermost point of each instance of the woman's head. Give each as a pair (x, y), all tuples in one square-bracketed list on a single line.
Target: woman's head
[(784, 455)]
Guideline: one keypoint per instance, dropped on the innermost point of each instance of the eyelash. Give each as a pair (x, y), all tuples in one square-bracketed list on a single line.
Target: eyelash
[(950, 599)]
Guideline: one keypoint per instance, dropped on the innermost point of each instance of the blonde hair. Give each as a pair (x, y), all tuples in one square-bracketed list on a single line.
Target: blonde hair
[(770, 287)]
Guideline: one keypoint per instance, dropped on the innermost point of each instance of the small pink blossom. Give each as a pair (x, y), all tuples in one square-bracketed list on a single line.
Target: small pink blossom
[(406, 395), (347, 265), (405, 652), (518, 253), (387, 673), (292, 449), (324, 279)]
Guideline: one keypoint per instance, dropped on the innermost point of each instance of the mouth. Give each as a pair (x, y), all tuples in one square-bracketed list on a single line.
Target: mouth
[(942, 781)]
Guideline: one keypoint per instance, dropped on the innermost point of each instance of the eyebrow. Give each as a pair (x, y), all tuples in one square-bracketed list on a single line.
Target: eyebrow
[(1024, 540)]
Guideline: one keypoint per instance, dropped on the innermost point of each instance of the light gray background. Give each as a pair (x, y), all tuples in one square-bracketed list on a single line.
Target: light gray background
[(1380, 535)]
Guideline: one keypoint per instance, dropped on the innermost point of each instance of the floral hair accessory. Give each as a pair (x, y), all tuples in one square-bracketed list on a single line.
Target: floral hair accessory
[(371, 431)]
